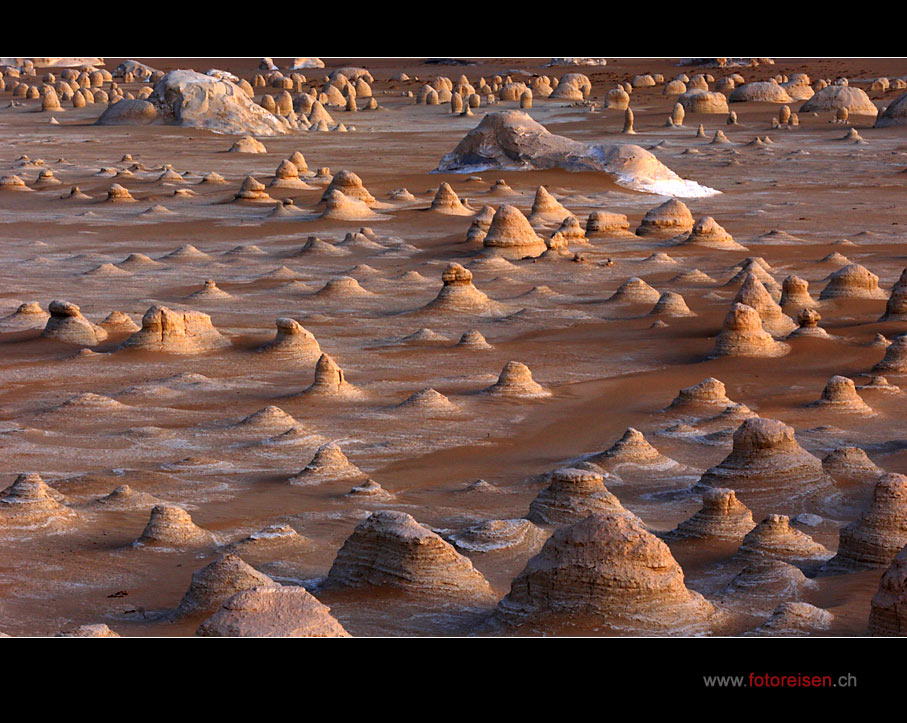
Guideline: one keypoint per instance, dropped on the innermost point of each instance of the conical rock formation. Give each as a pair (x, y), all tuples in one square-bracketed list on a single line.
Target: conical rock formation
[(708, 396), (329, 463), (330, 381), (30, 503), (840, 395), (722, 517), (667, 220), (510, 234), (609, 570), (571, 496), (774, 538), (292, 341), (888, 609), (881, 531), (767, 462), (217, 582), (390, 549), (273, 612), (516, 380), (743, 335), (171, 527)]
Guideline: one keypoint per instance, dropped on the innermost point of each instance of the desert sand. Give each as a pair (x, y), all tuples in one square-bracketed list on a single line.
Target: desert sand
[(382, 347)]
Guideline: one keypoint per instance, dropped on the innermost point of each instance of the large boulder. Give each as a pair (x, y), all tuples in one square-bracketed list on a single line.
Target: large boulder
[(762, 92), (129, 112), (138, 70), (895, 114), (194, 100), (703, 101), (836, 97), (512, 140)]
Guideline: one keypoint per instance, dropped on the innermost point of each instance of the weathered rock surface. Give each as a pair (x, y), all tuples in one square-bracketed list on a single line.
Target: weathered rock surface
[(609, 569), (512, 140), (176, 332), (390, 549), (273, 612)]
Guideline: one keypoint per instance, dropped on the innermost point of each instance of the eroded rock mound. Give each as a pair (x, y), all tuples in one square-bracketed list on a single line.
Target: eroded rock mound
[(880, 533), (634, 291), (511, 234), (767, 461), (760, 92), (269, 612), (851, 464), (840, 395), (329, 463), (427, 402), (129, 112), (390, 549), (499, 536), (671, 304), (838, 97), (117, 322), (217, 582), (292, 341), (708, 232), (126, 498), (571, 496), (699, 100), (512, 140), (896, 308), (670, 219), (754, 294), (853, 281), (709, 395), (474, 339), (30, 503), (516, 380), (609, 570), (67, 324), (273, 542), (765, 581), (795, 293), (888, 609), (774, 538), (795, 618), (330, 381), (458, 293), (632, 449), (895, 359), (270, 418), (448, 202), (351, 186), (722, 517), (808, 325), (27, 316), (176, 332), (895, 114), (605, 223), (743, 335), (546, 208), (171, 527)]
